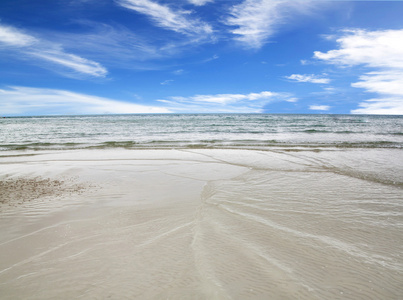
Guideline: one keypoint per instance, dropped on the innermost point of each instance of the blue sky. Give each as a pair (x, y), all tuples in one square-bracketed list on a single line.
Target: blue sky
[(200, 56)]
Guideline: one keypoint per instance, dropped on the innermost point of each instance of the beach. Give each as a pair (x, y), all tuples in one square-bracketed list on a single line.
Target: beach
[(201, 224), (201, 150)]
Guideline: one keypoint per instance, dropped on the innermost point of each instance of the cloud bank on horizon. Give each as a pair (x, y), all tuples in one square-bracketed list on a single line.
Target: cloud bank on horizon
[(201, 56)]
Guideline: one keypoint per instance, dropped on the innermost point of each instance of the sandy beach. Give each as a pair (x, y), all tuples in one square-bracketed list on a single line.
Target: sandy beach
[(201, 224)]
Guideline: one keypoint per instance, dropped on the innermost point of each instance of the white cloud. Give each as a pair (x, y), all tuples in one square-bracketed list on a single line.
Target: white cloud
[(388, 82), (33, 101), (10, 36), (165, 17), (319, 107), (199, 2), (381, 51), (377, 49), (27, 45), (292, 100), (384, 106), (257, 20), (308, 78), (226, 103)]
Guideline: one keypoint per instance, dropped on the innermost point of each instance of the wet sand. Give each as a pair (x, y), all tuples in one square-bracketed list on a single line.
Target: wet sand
[(201, 224), (17, 191)]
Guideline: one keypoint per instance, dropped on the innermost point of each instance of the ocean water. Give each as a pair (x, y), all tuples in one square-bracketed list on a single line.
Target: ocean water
[(233, 207), (247, 131)]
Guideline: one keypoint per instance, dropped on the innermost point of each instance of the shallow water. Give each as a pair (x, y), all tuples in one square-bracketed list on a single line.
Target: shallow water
[(207, 224)]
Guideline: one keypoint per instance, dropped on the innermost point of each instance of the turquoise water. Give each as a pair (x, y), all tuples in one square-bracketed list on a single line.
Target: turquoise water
[(240, 131)]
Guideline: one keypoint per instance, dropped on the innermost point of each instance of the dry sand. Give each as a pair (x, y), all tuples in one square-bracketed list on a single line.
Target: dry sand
[(201, 224)]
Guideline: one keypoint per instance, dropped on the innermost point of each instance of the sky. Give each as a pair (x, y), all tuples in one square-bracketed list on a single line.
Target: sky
[(68, 57)]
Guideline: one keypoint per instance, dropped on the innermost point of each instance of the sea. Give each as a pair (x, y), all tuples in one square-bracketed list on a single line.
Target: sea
[(173, 131)]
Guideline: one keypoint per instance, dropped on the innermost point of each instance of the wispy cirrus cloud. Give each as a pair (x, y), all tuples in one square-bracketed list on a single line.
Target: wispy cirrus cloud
[(164, 16), (200, 2), (381, 51), (18, 100), (114, 45), (33, 101), (308, 78), (167, 82), (226, 103), (255, 21), (225, 98), (35, 48), (71, 61)]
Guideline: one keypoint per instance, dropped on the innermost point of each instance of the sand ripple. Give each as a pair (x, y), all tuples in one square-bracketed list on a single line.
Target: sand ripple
[(211, 226)]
